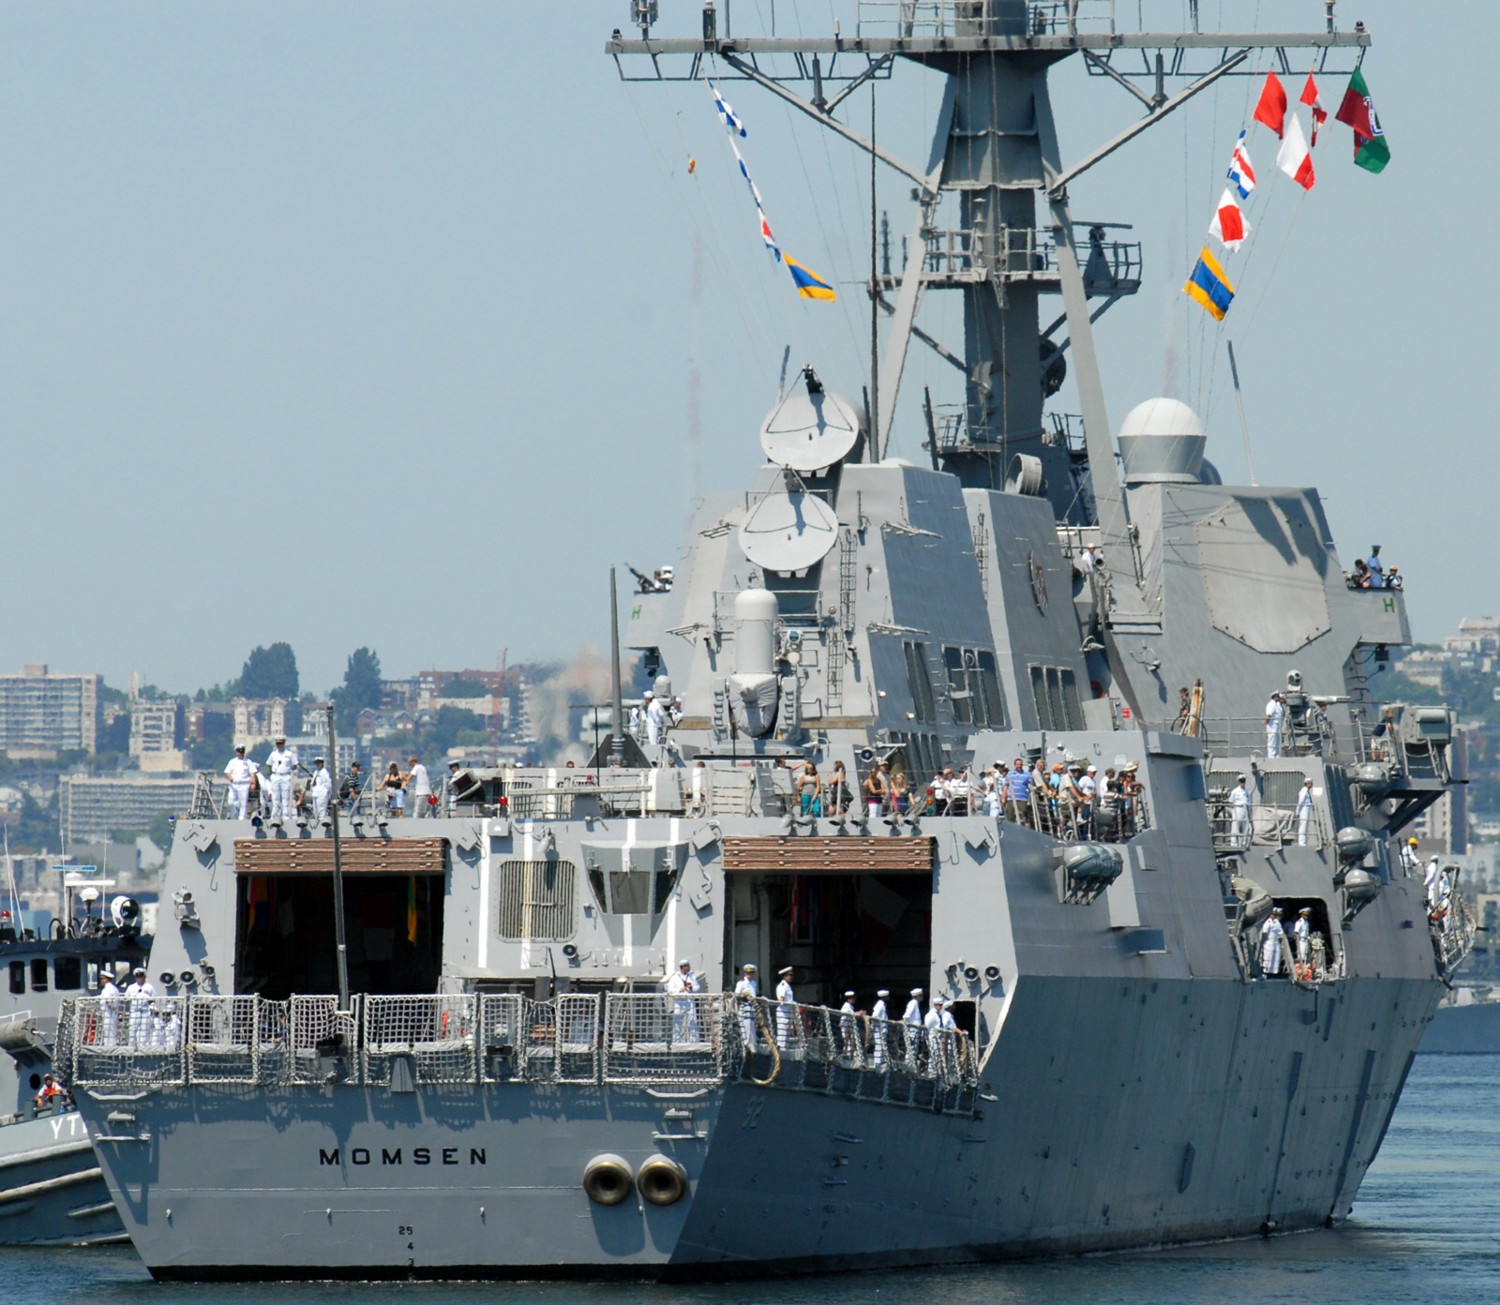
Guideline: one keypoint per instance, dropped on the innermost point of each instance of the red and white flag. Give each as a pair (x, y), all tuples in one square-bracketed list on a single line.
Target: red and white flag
[(1294, 158), (1271, 108), (1240, 171), (1228, 226), (1319, 113)]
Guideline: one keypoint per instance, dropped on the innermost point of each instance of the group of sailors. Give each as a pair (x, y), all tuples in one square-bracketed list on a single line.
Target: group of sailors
[(652, 717), (1371, 573), (273, 795), (133, 1017), (1273, 944), (923, 1042)]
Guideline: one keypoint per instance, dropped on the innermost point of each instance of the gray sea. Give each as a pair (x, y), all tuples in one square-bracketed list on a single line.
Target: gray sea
[(1426, 1229)]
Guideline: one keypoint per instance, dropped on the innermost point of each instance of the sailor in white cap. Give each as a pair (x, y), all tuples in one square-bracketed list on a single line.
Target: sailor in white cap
[(1304, 811), (656, 720), (879, 1014), (1272, 936), (322, 791), (786, 1007), (747, 993), (911, 1017), (1239, 811), (682, 986), (138, 994), (849, 1027), (638, 713), (237, 772), (282, 765), (109, 1003), (1302, 935)]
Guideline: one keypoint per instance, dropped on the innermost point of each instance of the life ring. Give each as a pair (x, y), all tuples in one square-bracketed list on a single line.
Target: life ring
[(607, 1180), (661, 1181)]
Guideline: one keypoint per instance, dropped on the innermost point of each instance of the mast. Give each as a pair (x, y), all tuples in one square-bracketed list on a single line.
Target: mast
[(978, 232)]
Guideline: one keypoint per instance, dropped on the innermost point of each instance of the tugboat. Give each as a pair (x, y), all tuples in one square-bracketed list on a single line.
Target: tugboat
[(912, 750), (52, 1192)]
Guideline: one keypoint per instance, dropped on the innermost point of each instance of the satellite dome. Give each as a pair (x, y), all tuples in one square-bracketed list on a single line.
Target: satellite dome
[(1161, 442)]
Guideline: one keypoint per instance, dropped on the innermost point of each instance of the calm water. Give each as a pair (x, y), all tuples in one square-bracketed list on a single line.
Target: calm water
[(1426, 1228)]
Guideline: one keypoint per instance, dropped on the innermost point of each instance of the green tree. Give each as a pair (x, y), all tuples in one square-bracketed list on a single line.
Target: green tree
[(212, 751), (462, 688), (360, 689), (450, 727), (270, 673)]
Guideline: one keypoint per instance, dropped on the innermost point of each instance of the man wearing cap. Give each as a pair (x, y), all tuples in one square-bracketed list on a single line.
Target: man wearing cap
[(638, 714), (879, 1028), (282, 764), (682, 986), (1304, 811), (1272, 936), (1302, 937), (1239, 813), (1410, 861), (419, 785), (911, 1018), (656, 720), (849, 1028), (786, 1008), (1275, 715), (1088, 788), (237, 772), (138, 995), (941, 1032), (746, 994), (109, 1003), (322, 791), (451, 788)]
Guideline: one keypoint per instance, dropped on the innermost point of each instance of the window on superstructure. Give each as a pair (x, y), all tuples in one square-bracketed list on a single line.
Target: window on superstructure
[(989, 690), (958, 686), (67, 973), (39, 974), (1039, 697), (1072, 708), (17, 977), (1055, 712), (919, 681)]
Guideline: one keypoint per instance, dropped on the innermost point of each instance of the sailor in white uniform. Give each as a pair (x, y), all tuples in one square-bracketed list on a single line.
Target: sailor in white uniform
[(1410, 861), (1239, 812), (1302, 935), (109, 1002), (747, 993), (1272, 936), (138, 995), (879, 1014), (786, 1008), (1275, 714), (656, 721), (238, 772), (1304, 811), (682, 986), (911, 1018), (282, 765), (1431, 882), (322, 790), (849, 1028)]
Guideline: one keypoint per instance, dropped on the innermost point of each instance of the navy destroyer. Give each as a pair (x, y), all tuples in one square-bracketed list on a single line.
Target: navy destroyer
[(535, 1033)]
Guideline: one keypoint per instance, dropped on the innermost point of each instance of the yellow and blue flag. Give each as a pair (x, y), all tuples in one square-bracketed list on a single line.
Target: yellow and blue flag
[(1209, 286), (809, 285)]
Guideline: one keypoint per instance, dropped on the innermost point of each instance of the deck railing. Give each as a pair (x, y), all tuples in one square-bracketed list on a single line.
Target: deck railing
[(400, 1042)]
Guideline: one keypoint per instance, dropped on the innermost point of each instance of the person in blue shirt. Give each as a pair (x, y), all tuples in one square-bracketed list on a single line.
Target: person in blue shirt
[(1018, 793)]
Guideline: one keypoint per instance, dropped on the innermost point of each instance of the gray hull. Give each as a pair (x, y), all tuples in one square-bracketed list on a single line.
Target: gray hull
[(52, 1192), (1231, 1119)]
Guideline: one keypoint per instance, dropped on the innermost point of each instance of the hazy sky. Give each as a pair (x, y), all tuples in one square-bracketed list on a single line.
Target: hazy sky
[(377, 323)]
